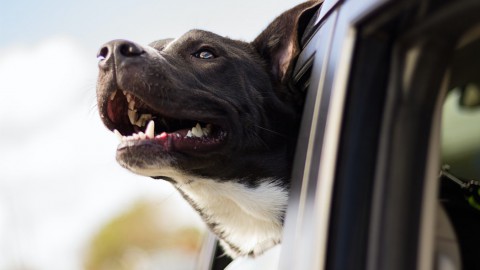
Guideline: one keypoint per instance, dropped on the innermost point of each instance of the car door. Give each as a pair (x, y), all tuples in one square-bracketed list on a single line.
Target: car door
[(375, 201), (365, 184)]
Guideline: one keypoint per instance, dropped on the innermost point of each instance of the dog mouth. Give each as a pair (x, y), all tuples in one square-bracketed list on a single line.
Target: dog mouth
[(137, 124)]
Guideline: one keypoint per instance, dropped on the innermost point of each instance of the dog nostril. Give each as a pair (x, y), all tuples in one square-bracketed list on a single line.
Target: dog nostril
[(103, 53), (117, 51), (130, 50)]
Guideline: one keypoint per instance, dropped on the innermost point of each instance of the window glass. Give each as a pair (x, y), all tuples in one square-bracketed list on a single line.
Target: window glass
[(461, 132)]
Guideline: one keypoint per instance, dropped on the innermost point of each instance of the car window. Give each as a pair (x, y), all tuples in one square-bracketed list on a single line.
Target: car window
[(460, 147)]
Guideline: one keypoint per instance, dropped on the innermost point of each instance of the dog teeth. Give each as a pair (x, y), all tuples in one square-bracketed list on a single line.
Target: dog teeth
[(131, 104), (197, 131), (143, 120), (149, 134), (150, 130), (206, 130), (130, 100), (132, 115), (132, 112), (118, 134), (138, 121)]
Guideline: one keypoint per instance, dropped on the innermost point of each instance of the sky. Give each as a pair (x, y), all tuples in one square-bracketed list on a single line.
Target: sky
[(59, 181)]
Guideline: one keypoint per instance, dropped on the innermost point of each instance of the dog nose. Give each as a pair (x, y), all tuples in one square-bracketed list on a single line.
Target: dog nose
[(117, 51)]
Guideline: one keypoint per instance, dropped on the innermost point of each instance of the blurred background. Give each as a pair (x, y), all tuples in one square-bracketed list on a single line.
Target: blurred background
[(64, 202)]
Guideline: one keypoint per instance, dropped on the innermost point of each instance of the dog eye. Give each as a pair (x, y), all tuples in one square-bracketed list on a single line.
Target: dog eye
[(205, 54)]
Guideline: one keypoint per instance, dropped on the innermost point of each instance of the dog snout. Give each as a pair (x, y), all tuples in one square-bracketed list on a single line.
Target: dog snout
[(117, 51)]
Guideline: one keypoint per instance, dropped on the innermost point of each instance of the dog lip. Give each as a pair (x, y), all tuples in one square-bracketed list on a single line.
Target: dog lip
[(176, 142)]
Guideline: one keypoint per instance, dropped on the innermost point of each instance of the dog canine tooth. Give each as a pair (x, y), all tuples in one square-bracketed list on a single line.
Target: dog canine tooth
[(189, 134), (118, 134), (150, 130)]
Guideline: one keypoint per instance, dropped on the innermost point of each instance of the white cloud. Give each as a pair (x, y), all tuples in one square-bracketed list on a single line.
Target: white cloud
[(40, 80)]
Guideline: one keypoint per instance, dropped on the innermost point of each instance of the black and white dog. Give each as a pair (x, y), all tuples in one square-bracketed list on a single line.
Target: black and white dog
[(214, 116)]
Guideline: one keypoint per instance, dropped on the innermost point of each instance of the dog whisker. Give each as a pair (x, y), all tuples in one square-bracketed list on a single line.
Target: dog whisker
[(93, 109), (261, 140), (269, 130)]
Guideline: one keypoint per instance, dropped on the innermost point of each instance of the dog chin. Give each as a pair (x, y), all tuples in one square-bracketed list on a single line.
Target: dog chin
[(145, 164)]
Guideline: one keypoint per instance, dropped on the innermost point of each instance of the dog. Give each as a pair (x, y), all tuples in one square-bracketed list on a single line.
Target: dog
[(216, 117)]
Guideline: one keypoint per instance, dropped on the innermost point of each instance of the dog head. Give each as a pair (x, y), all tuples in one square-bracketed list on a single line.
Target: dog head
[(204, 106)]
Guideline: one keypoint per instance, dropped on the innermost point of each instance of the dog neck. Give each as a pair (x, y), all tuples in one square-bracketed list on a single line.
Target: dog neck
[(247, 219)]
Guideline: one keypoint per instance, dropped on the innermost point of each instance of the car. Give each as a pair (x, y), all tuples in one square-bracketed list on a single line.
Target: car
[(388, 158)]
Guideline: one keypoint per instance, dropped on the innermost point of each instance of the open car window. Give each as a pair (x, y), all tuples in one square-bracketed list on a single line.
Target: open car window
[(460, 147)]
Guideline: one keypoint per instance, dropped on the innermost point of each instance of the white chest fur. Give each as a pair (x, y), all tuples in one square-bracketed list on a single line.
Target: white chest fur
[(248, 220)]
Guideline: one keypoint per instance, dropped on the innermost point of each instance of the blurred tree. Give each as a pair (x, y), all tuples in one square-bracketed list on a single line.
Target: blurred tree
[(134, 239)]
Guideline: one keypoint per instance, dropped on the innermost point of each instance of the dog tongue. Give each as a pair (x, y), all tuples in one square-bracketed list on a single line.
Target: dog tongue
[(116, 112)]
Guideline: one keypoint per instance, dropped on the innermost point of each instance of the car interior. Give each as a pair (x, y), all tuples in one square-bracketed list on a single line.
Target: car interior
[(460, 154)]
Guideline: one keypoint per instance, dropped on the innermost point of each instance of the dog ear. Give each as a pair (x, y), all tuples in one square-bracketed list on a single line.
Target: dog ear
[(279, 42)]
